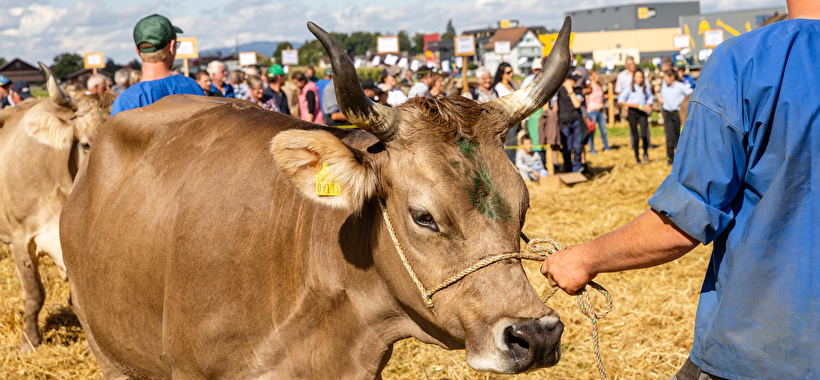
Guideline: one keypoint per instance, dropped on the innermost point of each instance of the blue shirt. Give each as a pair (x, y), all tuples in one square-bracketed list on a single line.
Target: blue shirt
[(673, 95), (636, 96), (148, 92), (228, 90), (743, 178), (321, 84)]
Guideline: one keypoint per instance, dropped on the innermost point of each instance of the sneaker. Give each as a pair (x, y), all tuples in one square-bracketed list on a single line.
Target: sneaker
[(592, 152), (646, 157)]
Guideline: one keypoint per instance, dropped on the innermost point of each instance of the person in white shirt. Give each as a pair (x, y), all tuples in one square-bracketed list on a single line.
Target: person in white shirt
[(422, 87), (388, 83), (624, 80), (502, 83), (536, 69), (672, 95)]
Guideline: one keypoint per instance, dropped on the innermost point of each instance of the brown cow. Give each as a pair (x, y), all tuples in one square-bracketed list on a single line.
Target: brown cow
[(38, 162), (198, 247)]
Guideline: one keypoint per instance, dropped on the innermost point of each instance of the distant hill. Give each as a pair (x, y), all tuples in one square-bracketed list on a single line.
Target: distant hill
[(265, 48)]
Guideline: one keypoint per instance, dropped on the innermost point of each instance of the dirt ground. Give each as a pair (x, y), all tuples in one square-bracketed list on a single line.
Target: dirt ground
[(646, 336)]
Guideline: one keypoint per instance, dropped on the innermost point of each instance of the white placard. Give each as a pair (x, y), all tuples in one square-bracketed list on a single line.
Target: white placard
[(376, 60), (414, 66), (391, 59), (589, 64), (522, 60), (431, 65), (94, 59), (247, 58), (459, 61), (286, 69), (681, 41), (712, 38), (402, 63), (185, 48), (703, 54), (465, 45), (685, 51), (445, 66), (502, 47), (657, 61), (574, 62), (357, 63), (610, 65), (290, 57), (387, 44)]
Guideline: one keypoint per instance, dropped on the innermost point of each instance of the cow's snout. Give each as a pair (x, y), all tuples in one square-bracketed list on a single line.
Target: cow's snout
[(534, 343)]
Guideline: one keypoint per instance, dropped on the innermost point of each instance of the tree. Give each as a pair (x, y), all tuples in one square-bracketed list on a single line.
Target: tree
[(2, 61), (110, 66), (135, 64), (405, 44), (311, 52), (66, 63), (277, 55), (418, 43), (451, 31)]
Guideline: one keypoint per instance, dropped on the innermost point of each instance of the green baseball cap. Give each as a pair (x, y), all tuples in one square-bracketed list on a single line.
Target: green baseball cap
[(155, 30), (276, 70)]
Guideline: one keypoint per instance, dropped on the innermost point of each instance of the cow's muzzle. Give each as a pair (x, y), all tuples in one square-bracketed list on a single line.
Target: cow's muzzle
[(520, 345)]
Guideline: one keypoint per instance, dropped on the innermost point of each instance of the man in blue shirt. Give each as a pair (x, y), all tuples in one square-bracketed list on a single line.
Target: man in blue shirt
[(744, 181), (671, 97), (156, 41)]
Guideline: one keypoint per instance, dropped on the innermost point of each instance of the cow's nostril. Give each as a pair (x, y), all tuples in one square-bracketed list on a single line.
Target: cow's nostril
[(519, 347)]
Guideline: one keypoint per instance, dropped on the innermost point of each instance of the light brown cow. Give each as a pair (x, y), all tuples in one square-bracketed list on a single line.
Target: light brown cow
[(198, 247), (39, 159)]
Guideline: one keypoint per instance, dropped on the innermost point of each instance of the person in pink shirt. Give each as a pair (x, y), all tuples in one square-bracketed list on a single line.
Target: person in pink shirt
[(595, 111)]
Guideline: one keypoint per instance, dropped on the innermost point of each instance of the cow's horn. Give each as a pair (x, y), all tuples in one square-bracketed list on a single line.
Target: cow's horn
[(55, 92), (528, 100), (357, 108)]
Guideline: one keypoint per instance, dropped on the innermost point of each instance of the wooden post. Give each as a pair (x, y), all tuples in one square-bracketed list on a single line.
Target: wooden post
[(550, 164), (94, 71), (611, 101), (185, 66), (466, 87)]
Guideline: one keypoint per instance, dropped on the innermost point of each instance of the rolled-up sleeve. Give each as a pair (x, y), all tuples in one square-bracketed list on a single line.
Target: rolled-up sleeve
[(706, 176)]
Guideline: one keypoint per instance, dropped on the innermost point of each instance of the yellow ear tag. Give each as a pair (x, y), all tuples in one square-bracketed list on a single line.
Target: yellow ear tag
[(326, 184)]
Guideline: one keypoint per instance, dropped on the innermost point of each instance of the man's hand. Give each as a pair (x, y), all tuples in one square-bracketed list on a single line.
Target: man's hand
[(566, 269)]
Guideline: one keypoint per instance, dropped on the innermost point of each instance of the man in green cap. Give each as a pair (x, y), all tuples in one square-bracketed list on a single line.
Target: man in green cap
[(156, 41), (276, 79)]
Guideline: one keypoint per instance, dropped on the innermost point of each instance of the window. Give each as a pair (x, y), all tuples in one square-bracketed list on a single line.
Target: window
[(603, 10), (617, 9), (589, 12)]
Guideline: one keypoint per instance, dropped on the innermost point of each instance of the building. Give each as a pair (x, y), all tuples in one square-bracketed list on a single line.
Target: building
[(524, 49), (729, 23), (645, 30), (17, 69)]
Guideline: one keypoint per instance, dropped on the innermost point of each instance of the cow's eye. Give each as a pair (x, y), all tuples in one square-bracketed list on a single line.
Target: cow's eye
[(424, 219), (85, 146)]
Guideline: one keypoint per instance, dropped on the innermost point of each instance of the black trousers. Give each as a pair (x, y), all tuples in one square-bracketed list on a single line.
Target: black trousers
[(636, 118), (671, 125)]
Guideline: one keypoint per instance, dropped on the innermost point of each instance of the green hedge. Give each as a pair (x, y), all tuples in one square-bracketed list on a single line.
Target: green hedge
[(373, 73)]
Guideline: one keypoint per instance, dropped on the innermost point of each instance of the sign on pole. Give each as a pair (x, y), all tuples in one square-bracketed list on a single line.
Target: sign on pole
[(502, 47), (247, 58), (187, 48), (94, 61), (290, 57), (712, 38), (681, 41), (387, 45), (464, 45)]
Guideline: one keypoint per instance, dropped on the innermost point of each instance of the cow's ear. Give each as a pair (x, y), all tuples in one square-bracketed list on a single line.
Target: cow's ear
[(46, 128), (324, 169)]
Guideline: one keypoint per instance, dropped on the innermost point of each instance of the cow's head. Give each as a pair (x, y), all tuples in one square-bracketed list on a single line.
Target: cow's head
[(64, 121), (454, 198)]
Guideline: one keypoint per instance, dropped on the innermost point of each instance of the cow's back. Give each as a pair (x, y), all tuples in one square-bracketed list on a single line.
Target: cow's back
[(180, 212)]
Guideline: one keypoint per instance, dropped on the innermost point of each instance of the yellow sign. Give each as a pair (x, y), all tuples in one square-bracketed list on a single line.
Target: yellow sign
[(187, 48), (94, 61), (646, 12), (504, 24), (325, 182), (549, 39)]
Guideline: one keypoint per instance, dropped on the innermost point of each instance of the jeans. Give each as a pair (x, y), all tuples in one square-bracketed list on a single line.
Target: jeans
[(671, 125), (571, 140), (598, 117)]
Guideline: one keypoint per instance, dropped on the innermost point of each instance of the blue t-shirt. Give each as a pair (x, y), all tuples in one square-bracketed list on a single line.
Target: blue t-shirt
[(148, 92), (228, 90), (321, 84), (743, 178)]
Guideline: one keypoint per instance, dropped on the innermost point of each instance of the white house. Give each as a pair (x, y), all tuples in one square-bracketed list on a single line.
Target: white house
[(523, 44)]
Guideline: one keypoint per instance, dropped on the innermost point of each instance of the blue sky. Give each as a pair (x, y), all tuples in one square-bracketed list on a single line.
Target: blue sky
[(40, 29)]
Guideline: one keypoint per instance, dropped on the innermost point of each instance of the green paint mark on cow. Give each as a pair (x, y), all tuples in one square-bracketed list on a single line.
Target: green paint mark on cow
[(479, 185), (467, 147)]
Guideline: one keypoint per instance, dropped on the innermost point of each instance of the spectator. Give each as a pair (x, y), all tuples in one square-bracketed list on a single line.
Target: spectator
[(502, 83), (529, 163), (96, 84), (292, 93), (671, 97), (549, 131), (330, 107), (394, 96), (134, 77), (373, 91), (746, 183), (310, 73), (257, 94), (638, 99), (624, 78), (422, 87), (569, 117), (595, 110), (276, 78), (536, 69), (120, 81), (321, 83), (485, 91), (309, 108), (437, 89), (18, 92), (5, 90), (408, 79), (156, 41), (204, 81), (236, 80), (218, 83)]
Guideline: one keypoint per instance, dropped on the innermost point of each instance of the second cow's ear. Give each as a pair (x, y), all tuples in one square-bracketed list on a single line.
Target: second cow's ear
[(48, 129), (324, 169)]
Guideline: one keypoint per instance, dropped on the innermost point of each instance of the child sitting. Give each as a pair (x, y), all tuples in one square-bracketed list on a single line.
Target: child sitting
[(529, 163)]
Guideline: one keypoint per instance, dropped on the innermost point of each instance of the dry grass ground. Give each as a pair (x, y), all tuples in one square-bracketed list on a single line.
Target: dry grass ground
[(647, 335)]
